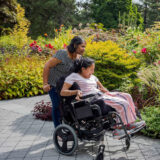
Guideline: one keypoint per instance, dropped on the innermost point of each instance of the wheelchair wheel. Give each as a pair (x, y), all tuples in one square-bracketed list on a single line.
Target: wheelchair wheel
[(65, 139)]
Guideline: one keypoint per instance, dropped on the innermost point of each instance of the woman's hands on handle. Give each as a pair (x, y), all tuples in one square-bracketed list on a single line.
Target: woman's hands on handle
[(46, 87)]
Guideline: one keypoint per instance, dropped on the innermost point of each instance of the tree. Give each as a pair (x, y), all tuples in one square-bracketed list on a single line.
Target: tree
[(46, 15), (107, 11), (7, 15), (84, 12), (150, 10)]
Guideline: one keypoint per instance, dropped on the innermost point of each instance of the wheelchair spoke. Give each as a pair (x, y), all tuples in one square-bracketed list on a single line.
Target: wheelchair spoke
[(64, 146)]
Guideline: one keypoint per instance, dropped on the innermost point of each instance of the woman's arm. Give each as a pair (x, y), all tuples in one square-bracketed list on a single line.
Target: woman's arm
[(66, 92), (101, 87), (51, 63)]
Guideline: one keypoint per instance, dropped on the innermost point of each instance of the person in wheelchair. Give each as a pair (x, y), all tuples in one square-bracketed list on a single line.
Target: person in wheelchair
[(90, 85)]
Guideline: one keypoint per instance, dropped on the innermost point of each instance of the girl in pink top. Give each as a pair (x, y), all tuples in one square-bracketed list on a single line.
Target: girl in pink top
[(89, 84)]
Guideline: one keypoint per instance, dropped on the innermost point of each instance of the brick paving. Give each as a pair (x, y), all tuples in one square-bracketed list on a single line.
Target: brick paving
[(24, 138)]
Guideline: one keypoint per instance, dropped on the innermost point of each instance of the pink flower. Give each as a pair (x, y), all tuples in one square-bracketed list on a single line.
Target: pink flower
[(64, 46), (159, 62), (155, 63), (144, 50), (134, 51), (39, 49)]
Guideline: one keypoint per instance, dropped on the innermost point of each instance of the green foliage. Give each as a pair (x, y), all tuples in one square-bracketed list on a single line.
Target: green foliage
[(150, 10), (107, 12), (99, 26), (134, 40), (132, 19), (151, 77), (62, 37), (151, 115), (46, 15), (7, 16), (112, 63), (18, 38), (20, 30), (150, 84), (20, 76)]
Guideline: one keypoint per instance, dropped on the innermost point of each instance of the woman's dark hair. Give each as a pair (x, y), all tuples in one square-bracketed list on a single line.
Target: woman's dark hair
[(74, 44), (82, 62)]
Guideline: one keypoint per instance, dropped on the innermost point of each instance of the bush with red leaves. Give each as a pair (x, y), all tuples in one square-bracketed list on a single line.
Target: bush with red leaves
[(43, 110)]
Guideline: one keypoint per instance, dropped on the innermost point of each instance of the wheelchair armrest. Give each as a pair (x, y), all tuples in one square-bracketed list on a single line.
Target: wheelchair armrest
[(78, 103), (88, 96), (84, 100)]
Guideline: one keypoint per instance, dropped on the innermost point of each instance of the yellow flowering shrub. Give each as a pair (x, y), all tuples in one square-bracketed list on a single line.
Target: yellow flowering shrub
[(21, 76), (18, 38), (113, 64), (20, 30)]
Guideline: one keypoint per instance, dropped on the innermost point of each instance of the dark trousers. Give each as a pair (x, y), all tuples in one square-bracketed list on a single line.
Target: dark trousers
[(55, 106)]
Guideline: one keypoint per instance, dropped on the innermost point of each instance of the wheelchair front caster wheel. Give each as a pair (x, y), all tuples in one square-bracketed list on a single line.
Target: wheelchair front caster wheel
[(100, 155), (127, 141), (65, 139)]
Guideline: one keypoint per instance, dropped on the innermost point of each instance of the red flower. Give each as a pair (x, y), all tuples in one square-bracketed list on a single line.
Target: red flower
[(50, 46), (134, 51), (46, 45), (31, 45), (64, 46), (144, 50), (159, 62)]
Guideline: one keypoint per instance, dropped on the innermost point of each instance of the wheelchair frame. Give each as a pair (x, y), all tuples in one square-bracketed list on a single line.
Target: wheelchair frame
[(90, 128)]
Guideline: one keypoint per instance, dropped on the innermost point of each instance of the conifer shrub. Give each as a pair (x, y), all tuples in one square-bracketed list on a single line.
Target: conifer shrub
[(113, 64)]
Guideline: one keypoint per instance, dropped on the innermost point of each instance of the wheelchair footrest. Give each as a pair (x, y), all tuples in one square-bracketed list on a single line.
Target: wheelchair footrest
[(133, 131)]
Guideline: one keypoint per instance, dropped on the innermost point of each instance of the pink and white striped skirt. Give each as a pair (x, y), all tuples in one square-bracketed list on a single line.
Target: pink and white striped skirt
[(123, 104)]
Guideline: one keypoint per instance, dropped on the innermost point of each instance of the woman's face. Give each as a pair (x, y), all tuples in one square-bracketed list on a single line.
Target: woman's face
[(81, 48), (87, 72)]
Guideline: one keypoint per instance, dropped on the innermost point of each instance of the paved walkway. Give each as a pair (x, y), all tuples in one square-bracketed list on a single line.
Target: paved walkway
[(24, 138)]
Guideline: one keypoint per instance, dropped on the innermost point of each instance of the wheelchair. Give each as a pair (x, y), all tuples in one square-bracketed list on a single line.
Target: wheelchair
[(88, 120)]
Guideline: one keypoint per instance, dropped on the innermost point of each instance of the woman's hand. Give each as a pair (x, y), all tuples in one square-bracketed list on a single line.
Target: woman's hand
[(104, 90), (79, 94), (46, 87)]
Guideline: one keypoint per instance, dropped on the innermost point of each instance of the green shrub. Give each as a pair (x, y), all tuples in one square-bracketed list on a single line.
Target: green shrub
[(18, 38), (113, 64), (152, 117), (143, 45), (150, 84), (21, 76)]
